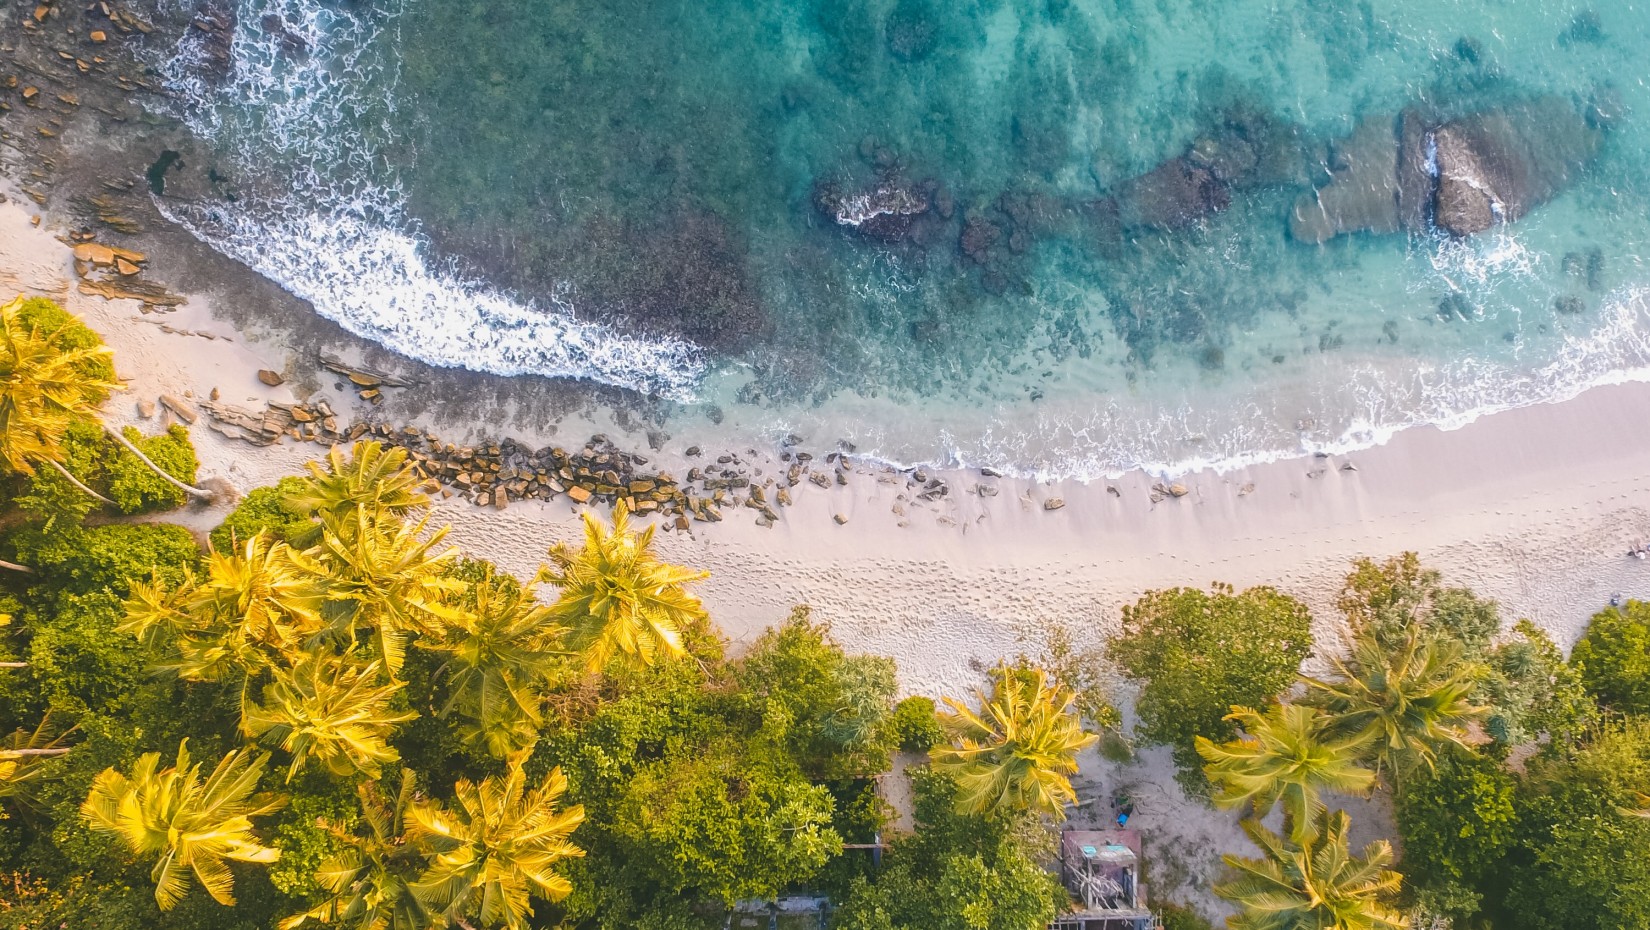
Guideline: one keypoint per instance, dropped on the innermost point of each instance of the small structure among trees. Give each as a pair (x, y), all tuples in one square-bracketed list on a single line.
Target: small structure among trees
[(1101, 869)]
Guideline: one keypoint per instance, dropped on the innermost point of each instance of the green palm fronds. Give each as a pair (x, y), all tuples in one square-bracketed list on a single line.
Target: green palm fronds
[(370, 881), (377, 481), (46, 383), (499, 651), (1287, 754), (186, 824), (386, 578), (1401, 700), (332, 710), (1313, 881), (618, 598), (1017, 752), (497, 845)]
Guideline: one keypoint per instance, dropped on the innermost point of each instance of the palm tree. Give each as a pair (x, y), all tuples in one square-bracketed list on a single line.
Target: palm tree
[(497, 845), (187, 488), (370, 878), (1314, 882), (382, 577), (375, 480), (1401, 701), (330, 709), (1019, 750), (253, 607), (48, 379), (1288, 754), (21, 755), (499, 650), (619, 598), (186, 824)]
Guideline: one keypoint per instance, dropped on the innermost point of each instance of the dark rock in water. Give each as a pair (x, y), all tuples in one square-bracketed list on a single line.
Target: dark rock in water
[(1414, 180), (979, 237), (1494, 167), (1585, 29), (911, 30), (1174, 195), (1454, 307), (1250, 148), (1362, 193), (1469, 50), (1569, 305), (293, 45), (884, 211), (212, 34)]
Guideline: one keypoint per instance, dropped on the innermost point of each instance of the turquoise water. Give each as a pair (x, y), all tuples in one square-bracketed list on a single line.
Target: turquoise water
[(919, 226)]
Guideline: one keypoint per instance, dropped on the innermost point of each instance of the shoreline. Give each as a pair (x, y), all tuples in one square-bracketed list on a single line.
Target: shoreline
[(1535, 507)]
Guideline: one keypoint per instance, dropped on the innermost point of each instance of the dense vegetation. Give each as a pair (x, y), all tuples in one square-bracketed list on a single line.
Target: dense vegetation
[(325, 717)]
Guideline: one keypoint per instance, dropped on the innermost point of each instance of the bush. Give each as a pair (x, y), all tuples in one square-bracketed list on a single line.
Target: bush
[(1198, 653), (106, 558), (134, 486), (914, 726), (1181, 917), (1613, 658), (49, 496), (263, 510), (1458, 822)]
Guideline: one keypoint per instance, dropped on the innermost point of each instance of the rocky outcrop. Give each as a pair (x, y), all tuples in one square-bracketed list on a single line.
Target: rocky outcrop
[(1362, 193), (1495, 167), (883, 211), (1176, 194), (1461, 176)]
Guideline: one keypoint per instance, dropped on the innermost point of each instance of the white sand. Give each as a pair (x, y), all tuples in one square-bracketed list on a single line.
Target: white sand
[(1535, 507)]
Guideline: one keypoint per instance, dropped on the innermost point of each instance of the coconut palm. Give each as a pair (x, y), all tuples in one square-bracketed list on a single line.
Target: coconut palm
[(377, 480), (619, 598), (186, 824), (49, 378), (1401, 701), (497, 844), (1288, 753), (1312, 882), (198, 493), (329, 709), (21, 758), (499, 650), (253, 607), (370, 879), (1017, 752), (384, 577)]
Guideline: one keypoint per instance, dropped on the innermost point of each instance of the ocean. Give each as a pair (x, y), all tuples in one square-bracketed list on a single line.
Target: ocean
[(1060, 238)]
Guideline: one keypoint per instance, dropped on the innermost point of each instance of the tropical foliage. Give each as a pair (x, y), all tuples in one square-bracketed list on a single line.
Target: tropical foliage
[(1018, 751), (1313, 880), (1197, 654), (618, 598)]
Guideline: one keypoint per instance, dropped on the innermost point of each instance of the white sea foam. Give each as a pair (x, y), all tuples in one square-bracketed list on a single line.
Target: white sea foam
[(333, 231)]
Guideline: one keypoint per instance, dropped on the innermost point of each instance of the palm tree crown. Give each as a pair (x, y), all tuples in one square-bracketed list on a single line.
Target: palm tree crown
[(186, 824), (1017, 752), (1285, 754), (375, 480), (370, 878), (46, 382), (331, 709), (1313, 881), (619, 598), (1400, 701), (499, 650), (497, 844)]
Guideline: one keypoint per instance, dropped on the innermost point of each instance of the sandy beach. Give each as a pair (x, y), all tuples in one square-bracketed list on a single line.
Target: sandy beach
[(1535, 507)]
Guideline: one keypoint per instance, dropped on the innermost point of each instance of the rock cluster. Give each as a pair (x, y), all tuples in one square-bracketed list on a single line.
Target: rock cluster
[(303, 422), (369, 382), (1461, 175)]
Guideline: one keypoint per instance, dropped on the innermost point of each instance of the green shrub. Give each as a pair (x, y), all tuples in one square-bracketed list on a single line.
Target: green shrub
[(50, 496), (914, 726), (1181, 917), (134, 486), (1197, 653), (105, 558), (262, 510), (1613, 657)]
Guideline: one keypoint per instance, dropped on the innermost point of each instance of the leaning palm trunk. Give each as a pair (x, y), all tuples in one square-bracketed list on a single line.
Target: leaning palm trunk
[(13, 566), (58, 467), (189, 489)]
